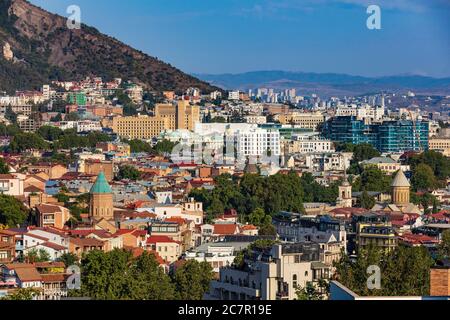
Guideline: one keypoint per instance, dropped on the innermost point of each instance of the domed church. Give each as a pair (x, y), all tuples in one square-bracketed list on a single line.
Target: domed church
[(101, 199)]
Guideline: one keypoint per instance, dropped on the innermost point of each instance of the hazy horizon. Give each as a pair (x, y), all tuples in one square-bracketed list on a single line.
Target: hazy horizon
[(324, 36)]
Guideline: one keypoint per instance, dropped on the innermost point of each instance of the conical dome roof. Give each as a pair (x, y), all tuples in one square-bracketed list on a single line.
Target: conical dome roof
[(101, 185), (400, 180)]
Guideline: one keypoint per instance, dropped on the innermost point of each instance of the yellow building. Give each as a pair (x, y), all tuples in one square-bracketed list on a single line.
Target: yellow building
[(379, 235), (167, 117), (441, 145), (307, 120)]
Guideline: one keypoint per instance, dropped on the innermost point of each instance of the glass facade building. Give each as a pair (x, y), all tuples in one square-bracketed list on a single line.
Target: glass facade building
[(388, 136)]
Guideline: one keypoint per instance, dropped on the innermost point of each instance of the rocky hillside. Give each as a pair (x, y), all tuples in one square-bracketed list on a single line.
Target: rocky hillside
[(36, 46)]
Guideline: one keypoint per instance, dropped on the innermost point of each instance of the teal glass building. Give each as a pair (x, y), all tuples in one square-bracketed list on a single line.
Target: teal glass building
[(388, 136)]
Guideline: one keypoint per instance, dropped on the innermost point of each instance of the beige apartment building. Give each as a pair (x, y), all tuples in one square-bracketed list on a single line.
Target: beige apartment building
[(441, 145), (167, 117), (309, 120), (271, 274)]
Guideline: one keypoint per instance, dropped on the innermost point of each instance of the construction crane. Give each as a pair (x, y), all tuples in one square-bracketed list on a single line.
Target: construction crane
[(416, 133)]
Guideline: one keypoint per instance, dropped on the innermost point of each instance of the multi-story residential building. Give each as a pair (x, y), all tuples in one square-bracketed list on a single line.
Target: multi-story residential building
[(167, 117), (167, 248), (307, 120), (328, 232), (48, 215), (271, 273), (255, 119), (333, 161), (88, 126), (7, 246), (12, 184), (258, 142), (441, 145), (307, 143), (374, 229)]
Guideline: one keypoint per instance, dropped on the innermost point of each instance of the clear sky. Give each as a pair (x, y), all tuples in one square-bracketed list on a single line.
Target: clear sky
[(233, 36)]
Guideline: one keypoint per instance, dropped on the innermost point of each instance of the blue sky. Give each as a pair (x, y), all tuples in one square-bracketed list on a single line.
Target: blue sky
[(233, 36)]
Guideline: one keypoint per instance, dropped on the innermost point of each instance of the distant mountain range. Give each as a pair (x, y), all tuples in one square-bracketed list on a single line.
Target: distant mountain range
[(328, 83), (45, 49)]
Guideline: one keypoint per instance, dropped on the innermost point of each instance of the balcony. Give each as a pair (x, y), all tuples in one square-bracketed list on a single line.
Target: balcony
[(235, 288)]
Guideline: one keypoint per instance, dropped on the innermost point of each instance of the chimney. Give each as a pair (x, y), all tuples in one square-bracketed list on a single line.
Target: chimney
[(440, 280)]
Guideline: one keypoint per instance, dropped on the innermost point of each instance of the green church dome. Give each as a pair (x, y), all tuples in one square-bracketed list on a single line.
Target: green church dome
[(101, 185)]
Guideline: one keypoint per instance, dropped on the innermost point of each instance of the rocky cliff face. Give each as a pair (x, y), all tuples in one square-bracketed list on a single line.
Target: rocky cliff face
[(46, 49)]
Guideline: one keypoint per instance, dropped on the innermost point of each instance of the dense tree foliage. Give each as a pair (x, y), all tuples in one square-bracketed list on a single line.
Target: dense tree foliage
[(22, 294), (4, 167), (444, 246), (50, 133), (372, 179), (164, 146), (116, 275), (12, 211), (405, 271), (427, 200), (40, 255), (272, 194), (70, 139), (435, 160), (137, 146), (192, 280), (128, 172), (27, 141), (423, 178), (69, 259), (366, 201), (361, 152)]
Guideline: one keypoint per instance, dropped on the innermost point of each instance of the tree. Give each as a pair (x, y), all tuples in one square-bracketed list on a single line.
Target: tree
[(4, 167), (128, 172), (423, 178), (192, 280), (309, 292), (138, 146), (40, 255), (361, 152), (22, 294), (373, 179), (69, 259), (435, 160), (116, 275), (73, 116), (50, 133), (12, 211), (366, 201), (444, 246), (164, 146), (56, 118), (218, 120), (405, 271), (26, 141)]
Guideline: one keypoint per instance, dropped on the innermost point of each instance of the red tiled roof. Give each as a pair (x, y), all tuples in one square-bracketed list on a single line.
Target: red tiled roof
[(160, 239), (53, 246), (178, 220), (248, 227), (223, 229), (417, 238)]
